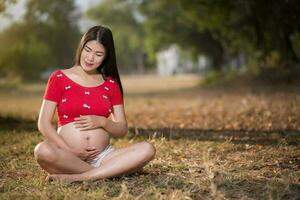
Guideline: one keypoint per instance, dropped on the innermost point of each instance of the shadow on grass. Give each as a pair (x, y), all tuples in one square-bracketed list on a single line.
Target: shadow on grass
[(264, 137), (8, 123), (292, 137)]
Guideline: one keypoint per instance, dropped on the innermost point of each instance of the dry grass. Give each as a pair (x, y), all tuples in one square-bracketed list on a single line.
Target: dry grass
[(184, 168)]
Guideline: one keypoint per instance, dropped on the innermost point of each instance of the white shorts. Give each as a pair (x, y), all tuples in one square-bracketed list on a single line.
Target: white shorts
[(96, 162)]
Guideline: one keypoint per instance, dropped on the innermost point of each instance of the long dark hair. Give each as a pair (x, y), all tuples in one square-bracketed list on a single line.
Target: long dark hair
[(103, 35)]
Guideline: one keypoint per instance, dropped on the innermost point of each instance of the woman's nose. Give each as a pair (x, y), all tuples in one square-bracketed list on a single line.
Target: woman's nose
[(90, 56)]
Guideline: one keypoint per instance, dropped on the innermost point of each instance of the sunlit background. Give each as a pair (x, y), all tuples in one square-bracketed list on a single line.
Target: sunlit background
[(218, 39)]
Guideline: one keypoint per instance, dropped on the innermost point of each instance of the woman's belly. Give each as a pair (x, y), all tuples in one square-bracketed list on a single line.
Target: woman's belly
[(82, 140)]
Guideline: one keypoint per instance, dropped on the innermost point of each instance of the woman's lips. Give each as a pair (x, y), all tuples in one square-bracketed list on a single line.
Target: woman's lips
[(88, 64)]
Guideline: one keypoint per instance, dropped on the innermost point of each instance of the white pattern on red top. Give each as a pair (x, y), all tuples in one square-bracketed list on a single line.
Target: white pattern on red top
[(74, 99)]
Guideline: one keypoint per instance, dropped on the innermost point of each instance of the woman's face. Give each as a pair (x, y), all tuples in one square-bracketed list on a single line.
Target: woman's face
[(92, 55)]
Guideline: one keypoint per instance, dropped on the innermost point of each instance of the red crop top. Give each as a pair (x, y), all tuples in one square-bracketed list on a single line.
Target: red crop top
[(74, 100)]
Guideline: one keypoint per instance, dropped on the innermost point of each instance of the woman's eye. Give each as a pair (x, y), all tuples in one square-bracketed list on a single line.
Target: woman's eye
[(86, 49)]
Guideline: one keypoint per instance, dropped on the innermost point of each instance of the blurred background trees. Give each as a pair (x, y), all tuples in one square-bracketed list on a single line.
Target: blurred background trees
[(5, 3), (254, 37), (128, 31), (46, 37), (265, 32)]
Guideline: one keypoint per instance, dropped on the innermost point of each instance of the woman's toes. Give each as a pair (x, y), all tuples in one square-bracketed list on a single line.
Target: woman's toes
[(53, 177), (48, 178)]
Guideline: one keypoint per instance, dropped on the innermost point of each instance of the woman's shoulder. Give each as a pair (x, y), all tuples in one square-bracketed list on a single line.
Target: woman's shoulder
[(55, 72), (60, 72), (56, 75)]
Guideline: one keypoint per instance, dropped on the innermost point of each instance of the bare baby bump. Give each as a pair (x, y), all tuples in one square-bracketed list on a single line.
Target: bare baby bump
[(80, 140)]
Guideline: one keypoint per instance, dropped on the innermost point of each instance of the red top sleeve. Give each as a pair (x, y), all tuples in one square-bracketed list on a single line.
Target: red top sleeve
[(53, 90), (116, 97)]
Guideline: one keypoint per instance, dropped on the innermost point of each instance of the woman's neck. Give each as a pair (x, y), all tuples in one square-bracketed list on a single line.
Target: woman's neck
[(86, 75)]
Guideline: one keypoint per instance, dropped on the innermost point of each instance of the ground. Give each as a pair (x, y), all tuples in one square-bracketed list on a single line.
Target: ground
[(212, 143)]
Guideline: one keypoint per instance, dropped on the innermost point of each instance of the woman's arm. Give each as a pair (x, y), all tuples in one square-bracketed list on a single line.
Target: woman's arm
[(118, 126), (45, 126)]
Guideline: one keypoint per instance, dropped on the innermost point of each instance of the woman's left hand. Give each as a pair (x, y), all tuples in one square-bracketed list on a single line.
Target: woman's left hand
[(88, 122)]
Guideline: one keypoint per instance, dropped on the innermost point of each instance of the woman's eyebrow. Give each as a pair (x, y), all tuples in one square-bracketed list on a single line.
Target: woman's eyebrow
[(102, 52), (88, 47)]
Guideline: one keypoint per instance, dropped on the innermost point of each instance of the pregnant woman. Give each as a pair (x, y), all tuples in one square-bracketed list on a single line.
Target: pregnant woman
[(85, 96)]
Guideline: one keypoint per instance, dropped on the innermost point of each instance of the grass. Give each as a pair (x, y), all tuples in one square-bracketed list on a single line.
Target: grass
[(184, 167)]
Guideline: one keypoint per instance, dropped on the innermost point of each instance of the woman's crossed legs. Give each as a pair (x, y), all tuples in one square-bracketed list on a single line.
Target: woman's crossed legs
[(64, 165)]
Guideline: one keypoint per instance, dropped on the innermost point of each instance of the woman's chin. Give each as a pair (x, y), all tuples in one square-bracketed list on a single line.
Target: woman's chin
[(89, 69)]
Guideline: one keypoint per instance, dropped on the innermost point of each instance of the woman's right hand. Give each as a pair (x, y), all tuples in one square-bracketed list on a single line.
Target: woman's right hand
[(88, 154)]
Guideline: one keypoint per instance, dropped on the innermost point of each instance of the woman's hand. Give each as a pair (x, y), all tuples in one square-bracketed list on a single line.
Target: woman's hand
[(88, 122), (88, 154)]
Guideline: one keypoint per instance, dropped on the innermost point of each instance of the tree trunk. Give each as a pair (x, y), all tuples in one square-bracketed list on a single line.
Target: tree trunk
[(289, 52), (218, 57)]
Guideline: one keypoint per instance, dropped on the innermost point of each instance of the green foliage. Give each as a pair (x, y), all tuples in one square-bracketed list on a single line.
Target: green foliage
[(26, 59), (169, 22), (46, 38), (5, 3), (266, 33), (23, 57), (222, 29), (54, 22), (127, 30)]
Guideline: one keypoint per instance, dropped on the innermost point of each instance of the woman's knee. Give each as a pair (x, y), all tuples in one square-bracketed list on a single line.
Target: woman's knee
[(44, 152), (148, 151)]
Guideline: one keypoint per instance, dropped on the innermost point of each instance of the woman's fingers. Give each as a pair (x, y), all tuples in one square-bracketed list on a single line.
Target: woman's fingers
[(85, 129), (93, 154), (78, 119), (83, 125), (86, 125), (81, 121)]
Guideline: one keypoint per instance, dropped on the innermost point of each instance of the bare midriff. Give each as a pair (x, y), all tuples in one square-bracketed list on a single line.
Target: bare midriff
[(82, 140)]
